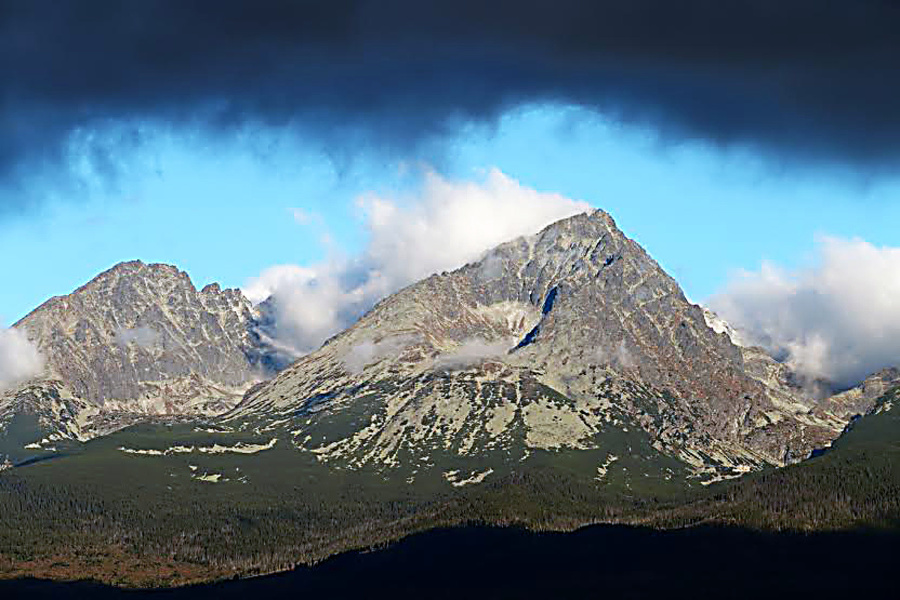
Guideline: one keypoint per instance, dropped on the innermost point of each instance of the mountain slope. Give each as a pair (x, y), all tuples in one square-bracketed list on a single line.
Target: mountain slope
[(136, 341), (563, 379), (547, 343), (855, 483)]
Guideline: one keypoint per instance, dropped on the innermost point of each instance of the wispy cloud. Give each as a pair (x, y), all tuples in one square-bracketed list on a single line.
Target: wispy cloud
[(19, 358), (368, 352), (618, 357), (472, 352), (837, 319), (145, 337)]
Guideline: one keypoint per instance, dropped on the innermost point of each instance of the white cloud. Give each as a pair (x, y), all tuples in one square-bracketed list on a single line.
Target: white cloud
[(19, 358), (445, 226), (619, 356), (145, 337), (368, 352), (472, 352), (623, 356), (838, 319), (279, 276)]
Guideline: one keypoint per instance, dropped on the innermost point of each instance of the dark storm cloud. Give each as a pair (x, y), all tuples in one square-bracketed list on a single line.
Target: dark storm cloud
[(808, 79)]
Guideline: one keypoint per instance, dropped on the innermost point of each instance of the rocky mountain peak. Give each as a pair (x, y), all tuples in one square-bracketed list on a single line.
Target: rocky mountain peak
[(140, 339), (542, 343)]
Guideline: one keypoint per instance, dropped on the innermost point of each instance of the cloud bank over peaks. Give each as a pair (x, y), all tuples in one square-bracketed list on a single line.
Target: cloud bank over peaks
[(804, 79), (19, 358), (447, 224), (837, 319)]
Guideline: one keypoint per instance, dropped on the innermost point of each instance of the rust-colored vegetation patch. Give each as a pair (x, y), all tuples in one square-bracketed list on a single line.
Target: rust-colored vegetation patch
[(113, 567)]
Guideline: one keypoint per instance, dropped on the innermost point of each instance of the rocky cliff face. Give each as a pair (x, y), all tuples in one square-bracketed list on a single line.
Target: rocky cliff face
[(557, 341), (138, 340)]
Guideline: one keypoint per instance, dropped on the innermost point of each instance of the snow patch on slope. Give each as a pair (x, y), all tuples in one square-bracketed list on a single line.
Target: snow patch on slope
[(453, 478), (239, 448)]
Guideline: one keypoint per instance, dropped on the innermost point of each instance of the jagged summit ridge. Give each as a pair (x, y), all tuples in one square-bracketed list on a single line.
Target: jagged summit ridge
[(136, 323), (139, 339)]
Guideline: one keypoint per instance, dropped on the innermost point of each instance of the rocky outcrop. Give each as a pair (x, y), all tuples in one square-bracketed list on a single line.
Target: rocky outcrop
[(862, 399)]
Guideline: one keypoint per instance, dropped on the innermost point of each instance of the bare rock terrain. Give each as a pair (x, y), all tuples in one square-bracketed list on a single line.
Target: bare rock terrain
[(137, 341), (548, 342)]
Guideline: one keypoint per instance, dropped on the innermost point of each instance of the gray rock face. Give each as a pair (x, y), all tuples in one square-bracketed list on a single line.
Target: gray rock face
[(861, 399), (139, 340), (545, 343)]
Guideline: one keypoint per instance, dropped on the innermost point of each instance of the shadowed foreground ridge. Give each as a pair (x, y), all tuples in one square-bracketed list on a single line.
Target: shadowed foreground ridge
[(511, 563)]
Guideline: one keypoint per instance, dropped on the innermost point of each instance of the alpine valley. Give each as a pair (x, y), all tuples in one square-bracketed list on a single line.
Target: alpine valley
[(562, 379)]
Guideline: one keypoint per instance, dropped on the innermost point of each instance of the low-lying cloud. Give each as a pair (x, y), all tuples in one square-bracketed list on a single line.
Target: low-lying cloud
[(144, 336), (472, 352), (368, 352), (447, 224), (19, 358), (619, 357), (838, 319)]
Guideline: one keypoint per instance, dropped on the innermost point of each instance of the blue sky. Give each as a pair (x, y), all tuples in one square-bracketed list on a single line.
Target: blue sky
[(223, 209)]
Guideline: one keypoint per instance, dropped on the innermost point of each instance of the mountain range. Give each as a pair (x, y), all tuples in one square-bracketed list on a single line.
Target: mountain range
[(567, 356)]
